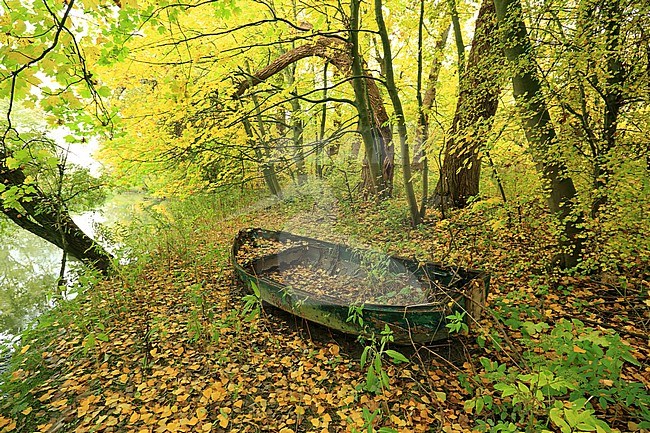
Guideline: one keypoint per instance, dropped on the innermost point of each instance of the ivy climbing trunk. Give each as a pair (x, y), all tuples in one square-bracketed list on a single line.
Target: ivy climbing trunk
[(538, 128), (612, 96)]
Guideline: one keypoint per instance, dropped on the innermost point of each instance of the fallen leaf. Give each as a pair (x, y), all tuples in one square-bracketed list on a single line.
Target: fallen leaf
[(223, 420), (134, 418), (60, 403)]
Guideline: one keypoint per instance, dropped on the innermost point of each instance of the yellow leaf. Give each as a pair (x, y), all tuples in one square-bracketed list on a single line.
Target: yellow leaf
[(134, 418), (578, 349), (223, 420), (25, 349), (207, 426), (167, 412), (60, 403), (111, 421), (315, 422), (334, 349), (201, 413), (4, 421), (286, 430), (10, 427), (27, 411)]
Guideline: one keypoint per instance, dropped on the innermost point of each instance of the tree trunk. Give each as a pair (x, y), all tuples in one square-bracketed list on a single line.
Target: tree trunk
[(323, 124), (42, 218), (371, 140), (399, 113), (268, 165), (426, 103), (477, 103), (458, 37), (613, 98), (268, 172), (539, 130), (297, 129)]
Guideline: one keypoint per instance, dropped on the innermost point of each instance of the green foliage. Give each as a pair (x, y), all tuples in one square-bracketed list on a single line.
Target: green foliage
[(577, 417), (369, 421), (374, 353), (566, 368), (456, 322), (252, 303)]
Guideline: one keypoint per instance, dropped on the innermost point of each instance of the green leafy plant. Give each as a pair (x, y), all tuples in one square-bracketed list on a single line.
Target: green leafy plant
[(456, 322), (577, 416), (252, 303), (372, 358), (369, 420), (566, 369), (374, 353)]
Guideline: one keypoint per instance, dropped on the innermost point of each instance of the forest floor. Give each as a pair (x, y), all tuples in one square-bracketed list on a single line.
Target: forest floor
[(165, 347)]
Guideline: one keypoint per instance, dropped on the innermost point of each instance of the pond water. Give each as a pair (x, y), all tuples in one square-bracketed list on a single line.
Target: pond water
[(29, 266)]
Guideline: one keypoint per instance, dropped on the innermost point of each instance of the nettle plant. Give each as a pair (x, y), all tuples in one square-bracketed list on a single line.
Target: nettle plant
[(566, 370)]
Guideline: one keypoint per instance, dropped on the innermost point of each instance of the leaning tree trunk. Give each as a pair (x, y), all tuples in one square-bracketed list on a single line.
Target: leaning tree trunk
[(40, 216), (339, 53), (539, 130), (477, 103)]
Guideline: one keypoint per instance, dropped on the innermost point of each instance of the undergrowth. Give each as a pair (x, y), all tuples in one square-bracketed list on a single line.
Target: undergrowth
[(540, 361)]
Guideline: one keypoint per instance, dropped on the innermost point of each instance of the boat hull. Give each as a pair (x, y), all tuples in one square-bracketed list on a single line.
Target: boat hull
[(422, 323)]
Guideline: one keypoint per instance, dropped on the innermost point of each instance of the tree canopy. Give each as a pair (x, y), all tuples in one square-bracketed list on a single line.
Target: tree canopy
[(190, 97)]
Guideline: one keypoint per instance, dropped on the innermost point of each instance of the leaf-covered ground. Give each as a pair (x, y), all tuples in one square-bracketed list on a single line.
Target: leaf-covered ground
[(166, 349)]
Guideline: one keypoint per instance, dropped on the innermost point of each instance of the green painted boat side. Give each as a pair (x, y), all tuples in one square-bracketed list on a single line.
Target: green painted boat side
[(423, 323)]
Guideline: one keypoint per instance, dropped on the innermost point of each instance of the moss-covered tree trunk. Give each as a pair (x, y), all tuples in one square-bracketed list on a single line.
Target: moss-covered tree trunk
[(538, 128)]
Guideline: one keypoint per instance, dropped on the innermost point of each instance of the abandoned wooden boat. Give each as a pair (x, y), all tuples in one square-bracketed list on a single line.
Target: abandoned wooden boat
[(320, 281)]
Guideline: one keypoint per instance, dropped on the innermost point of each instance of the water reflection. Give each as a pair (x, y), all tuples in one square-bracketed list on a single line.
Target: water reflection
[(29, 266)]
